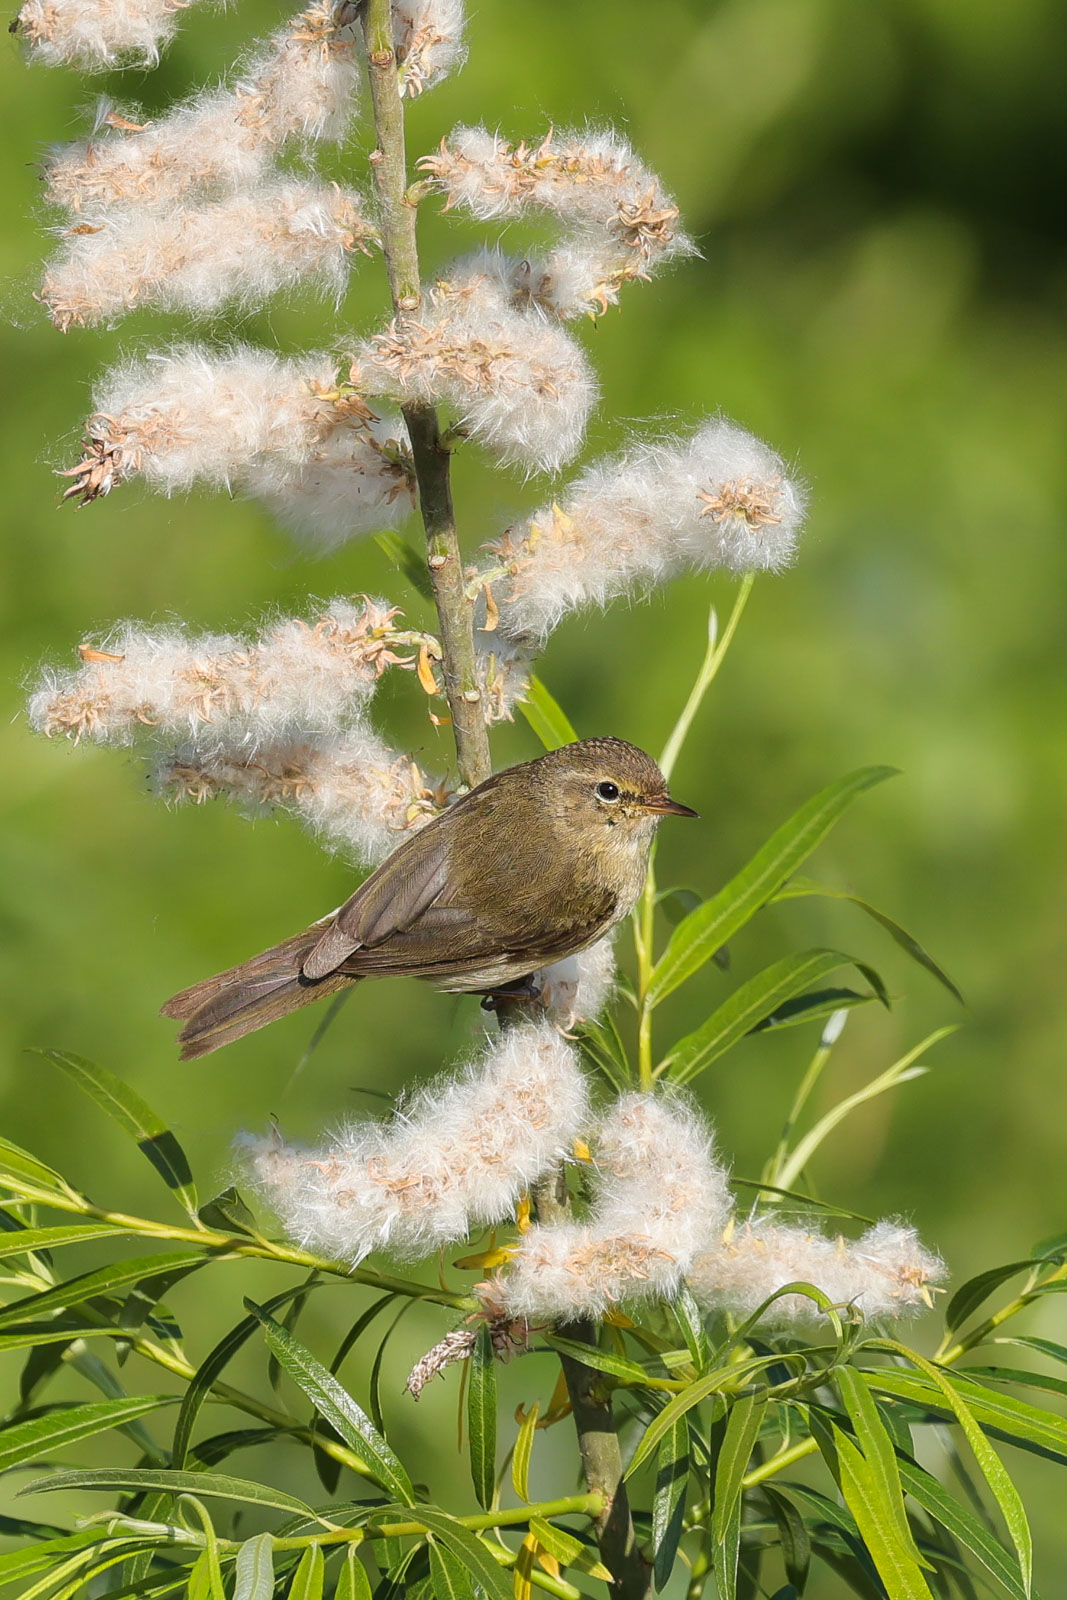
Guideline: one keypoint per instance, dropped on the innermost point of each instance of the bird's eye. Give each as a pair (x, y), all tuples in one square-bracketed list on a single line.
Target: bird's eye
[(608, 791)]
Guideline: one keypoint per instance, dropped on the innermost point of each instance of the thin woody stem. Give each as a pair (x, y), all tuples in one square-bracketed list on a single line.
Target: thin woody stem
[(598, 1439), (431, 455)]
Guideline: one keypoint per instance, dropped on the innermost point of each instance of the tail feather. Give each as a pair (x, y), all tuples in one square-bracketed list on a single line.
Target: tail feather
[(247, 997)]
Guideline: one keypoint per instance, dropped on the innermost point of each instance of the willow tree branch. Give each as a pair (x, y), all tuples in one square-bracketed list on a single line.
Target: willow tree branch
[(431, 455), (598, 1439)]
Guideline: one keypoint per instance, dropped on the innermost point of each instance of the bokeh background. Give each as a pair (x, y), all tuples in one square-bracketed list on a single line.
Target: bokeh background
[(882, 295)]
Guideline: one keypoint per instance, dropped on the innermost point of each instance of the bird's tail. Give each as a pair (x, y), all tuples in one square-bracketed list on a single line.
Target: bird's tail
[(226, 1007)]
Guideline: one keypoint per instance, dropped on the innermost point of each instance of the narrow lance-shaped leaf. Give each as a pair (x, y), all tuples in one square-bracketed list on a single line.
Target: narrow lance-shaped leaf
[(802, 888), (751, 1004), (26, 1441), (28, 1240), (470, 1550), (520, 1455), (336, 1406), (705, 930), (878, 1452), (125, 1106), (139, 1479), (963, 1525), (449, 1578), (254, 1570), (546, 716), (876, 1518), (352, 1580), (742, 1431), (481, 1417), (668, 1504), (103, 1281)]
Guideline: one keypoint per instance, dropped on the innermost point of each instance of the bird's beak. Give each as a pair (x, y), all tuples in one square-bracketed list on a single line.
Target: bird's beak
[(664, 806)]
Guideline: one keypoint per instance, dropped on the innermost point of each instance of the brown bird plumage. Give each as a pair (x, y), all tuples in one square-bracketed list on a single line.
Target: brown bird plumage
[(533, 865)]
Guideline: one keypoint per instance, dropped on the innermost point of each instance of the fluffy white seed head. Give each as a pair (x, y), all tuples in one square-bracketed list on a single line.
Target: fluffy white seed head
[(720, 498), (281, 430), (886, 1273), (455, 1156), (239, 250), (428, 37), (95, 35), (221, 692), (660, 1193), (519, 385), (578, 989), (619, 222), (353, 793), (302, 84)]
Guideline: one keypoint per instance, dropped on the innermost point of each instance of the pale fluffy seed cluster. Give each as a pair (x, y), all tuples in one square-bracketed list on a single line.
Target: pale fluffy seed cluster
[(578, 988), (281, 430), (886, 1273), (223, 692), (454, 1157), (238, 250), (98, 34), (519, 384), (301, 84), (428, 38), (619, 222), (660, 1194), (349, 789), (719, 498), (661, 1215)]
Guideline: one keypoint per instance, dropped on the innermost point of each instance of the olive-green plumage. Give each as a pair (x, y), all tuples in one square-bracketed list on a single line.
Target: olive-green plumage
[(533, 865)]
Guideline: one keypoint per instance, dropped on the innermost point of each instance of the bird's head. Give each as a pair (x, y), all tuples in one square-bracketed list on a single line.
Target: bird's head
[(607, 788)]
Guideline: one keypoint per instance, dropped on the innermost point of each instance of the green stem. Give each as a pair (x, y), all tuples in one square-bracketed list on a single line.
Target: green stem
[(772, 1171), (432, 458), (945, 1357)]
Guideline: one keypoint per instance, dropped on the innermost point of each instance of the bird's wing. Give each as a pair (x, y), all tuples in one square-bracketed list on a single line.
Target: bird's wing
[(387, 902)]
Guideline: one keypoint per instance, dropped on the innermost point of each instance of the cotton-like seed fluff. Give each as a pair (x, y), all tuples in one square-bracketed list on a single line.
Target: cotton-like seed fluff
[(302, 84), (519, 385), (428, 39), (720, 498), (456, 1156), (242, 249), (95, 35), (222, 692), (283, 431)]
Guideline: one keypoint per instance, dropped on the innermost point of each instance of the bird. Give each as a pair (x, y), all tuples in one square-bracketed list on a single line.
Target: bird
[(531, 866)]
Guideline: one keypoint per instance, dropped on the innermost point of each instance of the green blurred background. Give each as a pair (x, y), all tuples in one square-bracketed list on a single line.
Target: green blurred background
[(881, 295)]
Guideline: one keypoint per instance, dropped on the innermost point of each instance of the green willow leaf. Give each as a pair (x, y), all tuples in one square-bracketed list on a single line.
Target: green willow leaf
[(748, 1006), (449, 1578), (211, 1368), (25, 1441), (813, 1007), (739, 1439), (970, 1295), (523, 1450), (494, 1584), (546, 716), (27, 1240), (668, 1504), (1017, 1376), (139, 1479), (602, 1360), (712, 924), (36, 1558), (936, 1501), (481, 1417), (863, 1488), (793, 1537), (103, 1281), (687, 1314), (804, 888), (254, 1569), (352, 1580), (21, 1164), (337, 1407), (124, 1105), (701, 1389), (1001, 1414), (1027, 1341), (959, 1398), (879, 1453)]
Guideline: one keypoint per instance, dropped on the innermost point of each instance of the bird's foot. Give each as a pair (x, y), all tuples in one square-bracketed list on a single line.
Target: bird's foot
[(523, 992)]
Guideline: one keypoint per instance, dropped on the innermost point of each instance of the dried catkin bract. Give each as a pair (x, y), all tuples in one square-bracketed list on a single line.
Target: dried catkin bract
[(456, 1156), (886, 1273), (350, 790), (660, 1193), (241, 249), (720, 498), (95, 35), (428, 38), (222, 692), (302, 84), (619, 221), (518, 384), (283, 431)]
